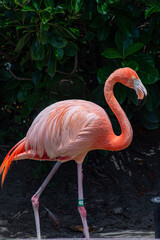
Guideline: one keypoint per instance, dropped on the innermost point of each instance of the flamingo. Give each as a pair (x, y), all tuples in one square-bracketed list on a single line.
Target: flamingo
[(68, 130)]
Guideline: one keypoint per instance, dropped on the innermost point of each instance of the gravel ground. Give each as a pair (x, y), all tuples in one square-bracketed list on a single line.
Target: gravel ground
[(118, 188)]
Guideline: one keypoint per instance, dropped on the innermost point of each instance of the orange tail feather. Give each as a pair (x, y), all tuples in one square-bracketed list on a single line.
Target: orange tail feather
[(11, 156)]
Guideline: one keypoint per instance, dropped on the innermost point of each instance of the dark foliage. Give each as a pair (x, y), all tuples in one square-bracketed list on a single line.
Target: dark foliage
[(55, 50)]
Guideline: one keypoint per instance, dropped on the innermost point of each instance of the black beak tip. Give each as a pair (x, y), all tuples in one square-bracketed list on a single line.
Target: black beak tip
[(141, 103)]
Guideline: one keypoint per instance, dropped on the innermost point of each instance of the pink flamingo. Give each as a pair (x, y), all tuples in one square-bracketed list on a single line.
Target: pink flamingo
[(67, 130)]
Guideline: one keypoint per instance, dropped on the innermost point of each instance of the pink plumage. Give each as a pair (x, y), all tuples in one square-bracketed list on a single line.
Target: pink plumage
[(67, 130), (64, 129)]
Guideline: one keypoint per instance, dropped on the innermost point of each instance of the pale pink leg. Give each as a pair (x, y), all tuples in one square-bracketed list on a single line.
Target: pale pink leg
[(81, 208), (35, 198)]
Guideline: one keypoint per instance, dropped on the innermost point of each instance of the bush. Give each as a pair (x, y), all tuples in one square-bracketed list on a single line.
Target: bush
[(55, 50)]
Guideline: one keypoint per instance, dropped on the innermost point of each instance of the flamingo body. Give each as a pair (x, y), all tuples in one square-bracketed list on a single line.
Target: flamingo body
[(67, 130)]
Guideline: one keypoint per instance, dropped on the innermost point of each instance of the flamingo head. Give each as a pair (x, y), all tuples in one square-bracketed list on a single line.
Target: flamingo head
[(129, 78)]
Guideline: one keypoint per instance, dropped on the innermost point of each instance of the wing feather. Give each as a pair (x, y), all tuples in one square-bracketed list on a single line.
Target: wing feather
[(58, 126)]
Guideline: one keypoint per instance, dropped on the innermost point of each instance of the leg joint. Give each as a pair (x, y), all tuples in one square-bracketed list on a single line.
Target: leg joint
[(35, 201), (82, 212)]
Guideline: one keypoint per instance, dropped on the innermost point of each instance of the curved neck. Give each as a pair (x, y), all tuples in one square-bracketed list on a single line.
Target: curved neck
[(122, 141)]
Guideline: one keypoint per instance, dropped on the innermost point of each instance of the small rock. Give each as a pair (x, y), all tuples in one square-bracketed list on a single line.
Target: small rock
[(118, 210), (3, 229)]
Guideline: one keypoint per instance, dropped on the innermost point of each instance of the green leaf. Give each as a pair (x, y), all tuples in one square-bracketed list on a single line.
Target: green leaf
[(125, 25), (71, 49), (97, 96), (145, 58), (112, 53), (20, 96), (75, 31), (49, 3), (148, 73), (103, 9), (151, 10), (76, 5), (27, 86), (60, 9), (112, 1), (132, 64), (65, 32), (46, 15), (21, 43), (120, 92), (103, 32), (42, 34), (56, 41), (89, 36), (59, 53), (133, 48), (103, 73), (28, 9), (36, 77), (26, 58), (122, 42), (43, 37), (36, 4), (37, 51), (40, 65), (52, 64)]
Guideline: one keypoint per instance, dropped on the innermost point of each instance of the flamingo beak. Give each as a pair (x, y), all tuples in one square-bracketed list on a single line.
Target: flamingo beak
[(140, 91)]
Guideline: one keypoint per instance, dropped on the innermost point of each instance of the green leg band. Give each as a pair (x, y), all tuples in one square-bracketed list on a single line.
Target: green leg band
[(80, 202)]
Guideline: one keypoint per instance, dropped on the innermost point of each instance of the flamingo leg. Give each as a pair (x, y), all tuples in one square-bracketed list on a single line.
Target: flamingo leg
[(35, 198), (81, 208)]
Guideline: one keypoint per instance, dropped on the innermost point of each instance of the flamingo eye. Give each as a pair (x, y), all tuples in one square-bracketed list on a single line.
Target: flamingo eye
[(134, 78)]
